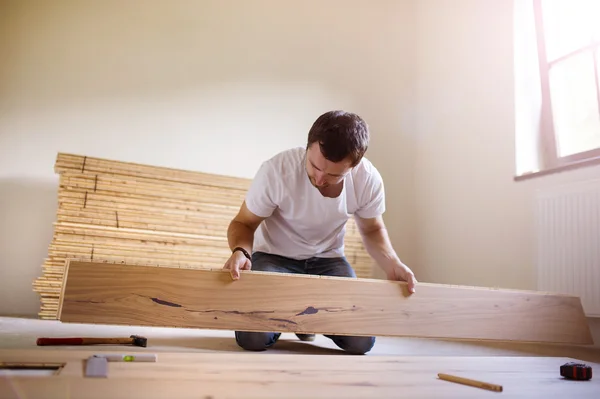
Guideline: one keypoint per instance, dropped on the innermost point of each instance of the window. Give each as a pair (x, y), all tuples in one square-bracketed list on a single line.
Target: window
[(566, 41)]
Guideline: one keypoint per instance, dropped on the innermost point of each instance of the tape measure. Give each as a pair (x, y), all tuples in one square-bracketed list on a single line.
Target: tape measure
[(576, 371)]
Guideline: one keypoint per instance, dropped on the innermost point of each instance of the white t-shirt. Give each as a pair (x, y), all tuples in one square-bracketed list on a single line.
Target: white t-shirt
[(300, 222)]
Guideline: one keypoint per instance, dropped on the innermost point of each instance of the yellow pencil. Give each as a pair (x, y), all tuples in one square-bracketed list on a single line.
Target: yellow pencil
[(468, 381)]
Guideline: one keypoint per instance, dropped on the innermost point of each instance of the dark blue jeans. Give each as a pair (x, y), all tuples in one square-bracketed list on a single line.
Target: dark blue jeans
[(259, 341)]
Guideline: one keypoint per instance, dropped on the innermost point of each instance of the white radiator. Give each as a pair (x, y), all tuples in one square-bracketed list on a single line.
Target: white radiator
[(568, 242)]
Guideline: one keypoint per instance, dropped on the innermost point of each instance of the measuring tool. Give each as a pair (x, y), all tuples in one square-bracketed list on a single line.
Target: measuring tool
[(576, 371), (97, 365)]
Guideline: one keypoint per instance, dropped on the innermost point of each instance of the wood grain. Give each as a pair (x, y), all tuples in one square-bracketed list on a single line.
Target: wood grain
[(117, 211), (104, 293), (249, 375)]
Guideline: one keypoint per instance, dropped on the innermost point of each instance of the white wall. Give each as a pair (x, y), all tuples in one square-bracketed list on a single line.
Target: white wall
[(214, 86), (474, 224)]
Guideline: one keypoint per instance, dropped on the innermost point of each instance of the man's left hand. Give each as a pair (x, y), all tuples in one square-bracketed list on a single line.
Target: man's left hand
[(403, 273)]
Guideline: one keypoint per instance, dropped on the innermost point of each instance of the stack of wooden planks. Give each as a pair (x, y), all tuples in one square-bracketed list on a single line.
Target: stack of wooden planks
[(132, 213)]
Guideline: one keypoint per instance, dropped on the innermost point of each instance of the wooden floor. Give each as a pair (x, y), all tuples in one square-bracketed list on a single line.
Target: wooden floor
[(208, 364), (244, 375)]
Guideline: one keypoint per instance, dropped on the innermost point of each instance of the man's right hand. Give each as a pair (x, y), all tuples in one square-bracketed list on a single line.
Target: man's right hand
[(236, 262)]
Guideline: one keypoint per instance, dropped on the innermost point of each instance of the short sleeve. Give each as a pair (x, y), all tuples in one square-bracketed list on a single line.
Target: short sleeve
[(372, 197), (262, 196)]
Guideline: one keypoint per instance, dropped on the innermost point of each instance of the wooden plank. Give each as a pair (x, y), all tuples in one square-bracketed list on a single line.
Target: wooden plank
[(246, 375), (104, 293)]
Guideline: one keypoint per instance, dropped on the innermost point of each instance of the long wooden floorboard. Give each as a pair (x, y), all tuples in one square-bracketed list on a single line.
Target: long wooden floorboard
[(104, 293), (251, 375)]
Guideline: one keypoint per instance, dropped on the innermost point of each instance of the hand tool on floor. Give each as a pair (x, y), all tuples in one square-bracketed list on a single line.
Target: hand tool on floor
[(470, 382), (135, 340), (134, 357), (97, 365), (576, 371)]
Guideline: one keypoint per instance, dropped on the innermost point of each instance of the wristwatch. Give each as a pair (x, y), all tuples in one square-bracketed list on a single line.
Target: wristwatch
[(246, 254)]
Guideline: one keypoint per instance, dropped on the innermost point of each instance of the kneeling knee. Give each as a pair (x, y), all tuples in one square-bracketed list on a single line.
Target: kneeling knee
[(253, 341), (361, 345), (355, 345)]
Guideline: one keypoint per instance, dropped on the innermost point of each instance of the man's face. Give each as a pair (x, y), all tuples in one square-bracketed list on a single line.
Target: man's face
[(324, 173)]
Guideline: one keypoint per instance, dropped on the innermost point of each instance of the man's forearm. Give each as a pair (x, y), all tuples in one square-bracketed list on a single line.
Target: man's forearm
[(240, 235), (378, 245)]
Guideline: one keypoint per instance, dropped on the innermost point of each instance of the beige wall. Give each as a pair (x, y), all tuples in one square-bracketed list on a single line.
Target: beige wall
[(475, 224), (114, 78)]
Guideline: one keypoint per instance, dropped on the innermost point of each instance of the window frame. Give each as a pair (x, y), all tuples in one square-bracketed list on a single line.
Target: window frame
[(550, 160)]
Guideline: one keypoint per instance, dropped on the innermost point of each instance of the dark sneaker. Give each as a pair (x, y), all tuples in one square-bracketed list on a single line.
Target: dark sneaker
[(306, 337)]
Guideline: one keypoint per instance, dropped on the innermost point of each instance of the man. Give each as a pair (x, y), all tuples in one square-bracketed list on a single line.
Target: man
[(293, 216)]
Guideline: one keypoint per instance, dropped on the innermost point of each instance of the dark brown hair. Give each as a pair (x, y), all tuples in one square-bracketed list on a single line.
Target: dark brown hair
[(340, 135)]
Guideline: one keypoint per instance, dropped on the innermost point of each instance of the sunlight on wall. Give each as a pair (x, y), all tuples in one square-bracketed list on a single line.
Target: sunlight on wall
[(528, 97)]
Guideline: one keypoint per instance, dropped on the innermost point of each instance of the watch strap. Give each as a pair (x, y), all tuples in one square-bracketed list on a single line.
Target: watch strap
[(246, 254)]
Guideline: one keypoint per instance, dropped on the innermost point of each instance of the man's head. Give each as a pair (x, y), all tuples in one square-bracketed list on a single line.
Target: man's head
[(337, 141)]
